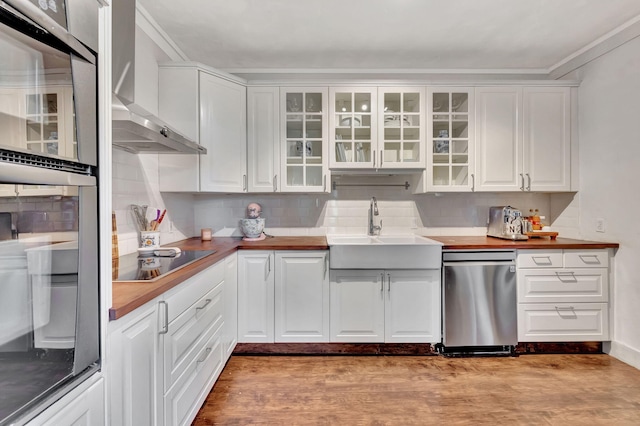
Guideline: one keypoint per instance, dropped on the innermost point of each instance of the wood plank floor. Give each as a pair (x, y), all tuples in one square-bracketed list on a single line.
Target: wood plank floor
[(406, 390)]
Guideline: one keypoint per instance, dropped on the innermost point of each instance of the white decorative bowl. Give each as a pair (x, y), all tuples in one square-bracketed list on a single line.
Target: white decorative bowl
[(252, 228)]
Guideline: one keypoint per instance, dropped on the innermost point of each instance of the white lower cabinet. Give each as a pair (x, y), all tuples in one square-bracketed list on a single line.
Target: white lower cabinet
[(393, 306), (563, 295), (230, 330), (301, 296), (135, 368), (357, 306), (165, 356), (83, 406), (283, 296), (255, 296)]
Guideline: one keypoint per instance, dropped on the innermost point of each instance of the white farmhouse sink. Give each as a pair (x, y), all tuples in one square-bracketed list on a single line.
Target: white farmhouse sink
[(350, 239), (384, 252)]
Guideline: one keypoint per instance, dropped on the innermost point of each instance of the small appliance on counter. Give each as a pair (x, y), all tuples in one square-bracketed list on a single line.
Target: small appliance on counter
[(505, 222), (253, 225)]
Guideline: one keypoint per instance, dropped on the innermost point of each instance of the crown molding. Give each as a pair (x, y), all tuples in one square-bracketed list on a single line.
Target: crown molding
[(613, 39)]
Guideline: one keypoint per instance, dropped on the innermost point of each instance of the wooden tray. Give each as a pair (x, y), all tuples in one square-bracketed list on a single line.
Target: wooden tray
[(540, 234)]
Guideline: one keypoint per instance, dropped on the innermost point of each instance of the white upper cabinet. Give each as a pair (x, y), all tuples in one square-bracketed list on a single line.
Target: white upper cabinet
[(523, 139), (498, 139), (376, 128), (263, 138), (353, 124), (547, 138), (450, 142), (223, 131), (400, 128), (212, 110), (303, 135)]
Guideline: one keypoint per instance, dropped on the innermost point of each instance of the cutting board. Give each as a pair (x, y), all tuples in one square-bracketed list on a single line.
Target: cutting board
[(540, 234)]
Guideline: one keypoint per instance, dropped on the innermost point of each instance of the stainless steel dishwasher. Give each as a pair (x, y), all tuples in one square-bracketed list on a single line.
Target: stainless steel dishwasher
[(479, 302)]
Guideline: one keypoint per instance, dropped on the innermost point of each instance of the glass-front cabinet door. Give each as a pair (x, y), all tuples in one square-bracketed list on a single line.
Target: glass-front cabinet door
[(400, 128), (304, 133), (353, 120), (450, 140)]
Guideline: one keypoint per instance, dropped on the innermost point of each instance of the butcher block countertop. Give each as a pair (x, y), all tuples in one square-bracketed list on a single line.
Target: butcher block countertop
[(483, 242), (129, 295)]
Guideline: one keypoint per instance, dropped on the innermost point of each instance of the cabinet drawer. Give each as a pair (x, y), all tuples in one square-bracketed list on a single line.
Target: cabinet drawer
[(185, 337), (190, 291), (539, 259), (586, 259), (563, 322), (183, 400), (563, 285)]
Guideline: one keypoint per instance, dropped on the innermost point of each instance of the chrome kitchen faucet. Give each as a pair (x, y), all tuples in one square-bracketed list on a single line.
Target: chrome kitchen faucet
[(373, 211)]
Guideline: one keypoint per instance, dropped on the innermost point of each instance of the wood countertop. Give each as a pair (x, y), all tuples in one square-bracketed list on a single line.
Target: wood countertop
[(129, 295), (484, 242)]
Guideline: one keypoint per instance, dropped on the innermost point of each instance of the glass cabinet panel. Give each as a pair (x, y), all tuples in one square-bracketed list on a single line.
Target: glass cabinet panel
[(373, 128), (353, 123), (450, 141), (401, 137), (304, 129)]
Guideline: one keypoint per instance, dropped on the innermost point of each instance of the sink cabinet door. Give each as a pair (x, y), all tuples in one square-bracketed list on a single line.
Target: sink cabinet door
[(357, 306), (412, 312), (302, 296)]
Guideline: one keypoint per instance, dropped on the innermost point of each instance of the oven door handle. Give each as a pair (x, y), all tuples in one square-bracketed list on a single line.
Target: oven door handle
[(22, 174)]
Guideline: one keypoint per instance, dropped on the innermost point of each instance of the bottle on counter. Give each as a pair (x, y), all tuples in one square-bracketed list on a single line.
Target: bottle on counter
[(535, 219)]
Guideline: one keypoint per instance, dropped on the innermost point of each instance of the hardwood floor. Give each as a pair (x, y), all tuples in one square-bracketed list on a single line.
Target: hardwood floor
[(405, 390)]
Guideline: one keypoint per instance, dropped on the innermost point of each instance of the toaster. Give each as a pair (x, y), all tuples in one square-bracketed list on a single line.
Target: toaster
[(505, 222)]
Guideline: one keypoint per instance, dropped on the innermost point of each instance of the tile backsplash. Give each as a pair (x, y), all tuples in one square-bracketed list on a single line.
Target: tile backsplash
[(344, 210)]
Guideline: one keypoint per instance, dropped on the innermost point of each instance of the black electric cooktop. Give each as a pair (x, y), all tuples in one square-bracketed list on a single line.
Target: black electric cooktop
[(134, 267)]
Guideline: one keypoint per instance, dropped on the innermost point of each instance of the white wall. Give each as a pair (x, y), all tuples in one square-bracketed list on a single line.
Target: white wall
[(609, 113)]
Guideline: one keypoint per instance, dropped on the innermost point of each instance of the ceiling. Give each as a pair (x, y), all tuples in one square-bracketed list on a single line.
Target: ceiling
[(514, 35)]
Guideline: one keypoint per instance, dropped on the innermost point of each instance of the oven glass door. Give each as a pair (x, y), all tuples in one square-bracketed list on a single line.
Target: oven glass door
[(48, 277), (47, 93)]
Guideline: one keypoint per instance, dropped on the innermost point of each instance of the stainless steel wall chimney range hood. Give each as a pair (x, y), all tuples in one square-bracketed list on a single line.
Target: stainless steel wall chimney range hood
[(134, 128), (136, 133)]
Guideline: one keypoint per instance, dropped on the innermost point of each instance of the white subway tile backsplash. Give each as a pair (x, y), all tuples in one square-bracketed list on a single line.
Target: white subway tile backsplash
[(344, 211)]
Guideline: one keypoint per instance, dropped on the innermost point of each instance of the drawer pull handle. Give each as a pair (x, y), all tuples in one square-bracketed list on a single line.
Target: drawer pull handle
[(566, 276), (165, 327), (206, 355), (566, 312), (542, 260), (206, 302), (381, 282), (589, 259)]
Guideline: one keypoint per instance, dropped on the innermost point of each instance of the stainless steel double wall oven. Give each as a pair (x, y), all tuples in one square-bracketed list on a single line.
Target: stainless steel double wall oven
[(49, 279)]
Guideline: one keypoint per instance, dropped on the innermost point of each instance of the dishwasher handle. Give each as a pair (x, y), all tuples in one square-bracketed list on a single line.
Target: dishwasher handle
[(479, 256), (511, 264)]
